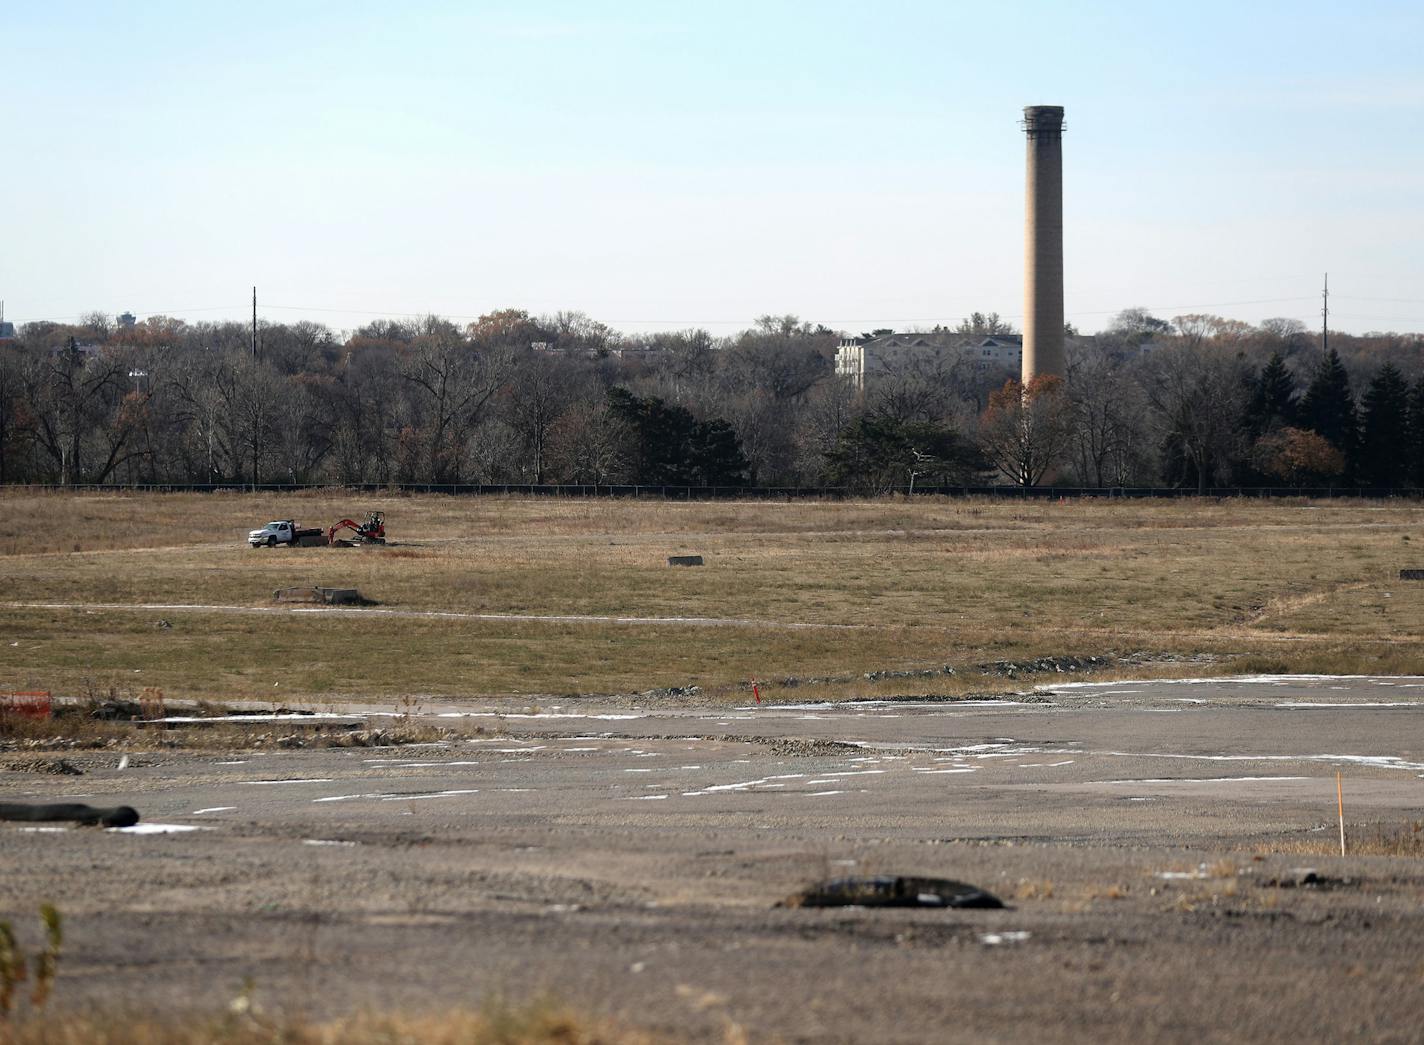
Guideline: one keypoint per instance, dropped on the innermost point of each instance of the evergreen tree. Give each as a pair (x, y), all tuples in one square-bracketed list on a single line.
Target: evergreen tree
[(715, 455), (1415, 471), (1273, 400), (1328, 408), (671, 447), (1385, 458), (876, 454)]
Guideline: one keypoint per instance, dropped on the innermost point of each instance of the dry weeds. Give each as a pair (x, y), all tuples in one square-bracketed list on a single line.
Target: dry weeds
[(541, 1022), (1375, 839)]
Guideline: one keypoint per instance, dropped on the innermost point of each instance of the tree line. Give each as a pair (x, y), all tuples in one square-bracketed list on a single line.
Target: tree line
[(1196, 401)]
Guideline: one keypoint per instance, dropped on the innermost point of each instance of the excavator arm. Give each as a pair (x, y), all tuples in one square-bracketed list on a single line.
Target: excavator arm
[(373, 530)]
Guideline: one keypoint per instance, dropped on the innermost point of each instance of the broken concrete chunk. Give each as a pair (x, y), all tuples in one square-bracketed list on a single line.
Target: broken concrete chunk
[(885, 890), (330, 596), (1307, 878), (115, 710)]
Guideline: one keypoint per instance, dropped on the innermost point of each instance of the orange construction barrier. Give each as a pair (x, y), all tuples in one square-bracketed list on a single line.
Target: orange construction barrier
[(27, 705)]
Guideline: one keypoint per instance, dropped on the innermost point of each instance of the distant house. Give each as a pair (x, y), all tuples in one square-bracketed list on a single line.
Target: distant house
[(82, 351), (861, 359), (573, 349), (637, 353)]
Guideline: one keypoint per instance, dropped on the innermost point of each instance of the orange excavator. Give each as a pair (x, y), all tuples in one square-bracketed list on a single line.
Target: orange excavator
[(372, 531)]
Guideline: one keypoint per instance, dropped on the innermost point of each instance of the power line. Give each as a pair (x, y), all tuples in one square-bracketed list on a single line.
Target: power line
[(1393, 301), (1392, 319)]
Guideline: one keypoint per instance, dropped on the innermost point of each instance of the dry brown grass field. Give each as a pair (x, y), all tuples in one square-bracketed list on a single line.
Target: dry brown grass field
[(805, 588), (542, 1022)]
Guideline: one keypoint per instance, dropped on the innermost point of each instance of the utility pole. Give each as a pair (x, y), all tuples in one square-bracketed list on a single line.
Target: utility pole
[(1325, 317), (254, 322)]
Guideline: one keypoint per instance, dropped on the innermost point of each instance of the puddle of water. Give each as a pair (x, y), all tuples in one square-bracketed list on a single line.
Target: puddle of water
[(852, 706), (999, 939), (767, 781), (1308, 705), (157, 829), (942, 772), (1247, 680), (1206, 780), (1375, 761), (542, 714)]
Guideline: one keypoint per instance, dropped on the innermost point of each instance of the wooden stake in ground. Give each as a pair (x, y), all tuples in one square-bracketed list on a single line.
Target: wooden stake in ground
[(1340, 800)]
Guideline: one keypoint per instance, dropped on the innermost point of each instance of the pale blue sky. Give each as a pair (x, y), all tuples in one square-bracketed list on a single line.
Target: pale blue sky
[(661, 165)]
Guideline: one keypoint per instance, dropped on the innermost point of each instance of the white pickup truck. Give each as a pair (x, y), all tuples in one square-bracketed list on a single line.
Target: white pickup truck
[(284, 531)]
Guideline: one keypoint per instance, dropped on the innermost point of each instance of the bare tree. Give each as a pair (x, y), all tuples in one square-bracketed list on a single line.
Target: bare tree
[(978, 324), (781, 357), (830, 406), (576, 333), (312, 428), (540, 388), (451, 382), (919, 387), (1109, 421), (1197, 392), (588, 445), (74, 393), (251, 414), (1025, 431), (366, 394)]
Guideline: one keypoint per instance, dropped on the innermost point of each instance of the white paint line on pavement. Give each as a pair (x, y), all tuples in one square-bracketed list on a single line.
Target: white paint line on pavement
[(433, 794)]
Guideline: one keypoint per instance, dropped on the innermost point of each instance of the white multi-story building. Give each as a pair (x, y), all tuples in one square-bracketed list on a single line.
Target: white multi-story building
[(860, 359)]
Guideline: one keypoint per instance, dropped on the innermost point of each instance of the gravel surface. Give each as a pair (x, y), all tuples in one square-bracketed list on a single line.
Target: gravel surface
[(1164, 850)]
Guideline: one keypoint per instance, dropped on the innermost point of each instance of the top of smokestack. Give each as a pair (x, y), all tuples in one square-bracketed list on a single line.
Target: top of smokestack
[(1042, 119)]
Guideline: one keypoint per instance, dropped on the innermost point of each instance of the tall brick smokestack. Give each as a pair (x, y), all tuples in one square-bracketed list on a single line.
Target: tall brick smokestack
[(1043, 243)]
